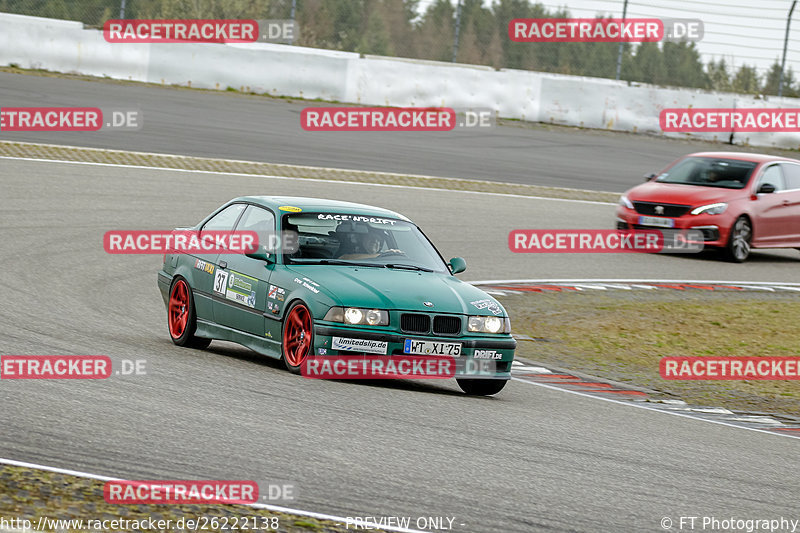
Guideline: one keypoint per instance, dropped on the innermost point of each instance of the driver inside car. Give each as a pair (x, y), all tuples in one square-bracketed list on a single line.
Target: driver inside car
[(370, 245)]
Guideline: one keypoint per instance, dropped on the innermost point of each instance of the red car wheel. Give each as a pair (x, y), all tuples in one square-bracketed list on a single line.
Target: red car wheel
[(298, 336)]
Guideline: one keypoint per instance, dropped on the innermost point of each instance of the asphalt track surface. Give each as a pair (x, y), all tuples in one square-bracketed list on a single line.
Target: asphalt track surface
[(529, 459), (254, 128)]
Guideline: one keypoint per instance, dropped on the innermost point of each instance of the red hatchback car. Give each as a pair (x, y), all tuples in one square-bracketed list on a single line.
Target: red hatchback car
[(739, 201)]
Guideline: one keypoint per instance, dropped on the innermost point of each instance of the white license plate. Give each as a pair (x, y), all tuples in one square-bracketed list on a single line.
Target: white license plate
[(413, 347), (656, 221)]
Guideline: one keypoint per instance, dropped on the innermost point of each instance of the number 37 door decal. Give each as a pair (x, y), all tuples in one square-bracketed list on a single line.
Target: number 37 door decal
[(220, 281)]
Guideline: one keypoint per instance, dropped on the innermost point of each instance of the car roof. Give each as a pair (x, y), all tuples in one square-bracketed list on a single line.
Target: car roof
[(743, 156), (320, 205)]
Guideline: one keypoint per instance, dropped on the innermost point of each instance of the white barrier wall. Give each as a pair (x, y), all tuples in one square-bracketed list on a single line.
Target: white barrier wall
[(280, 70), (64, 46)]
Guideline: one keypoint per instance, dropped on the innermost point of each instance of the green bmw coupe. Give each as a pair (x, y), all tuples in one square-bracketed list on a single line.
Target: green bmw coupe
[(333, 278)]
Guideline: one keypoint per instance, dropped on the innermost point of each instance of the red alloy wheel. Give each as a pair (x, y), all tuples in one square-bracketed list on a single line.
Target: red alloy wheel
[(178, 309), (297, 335)]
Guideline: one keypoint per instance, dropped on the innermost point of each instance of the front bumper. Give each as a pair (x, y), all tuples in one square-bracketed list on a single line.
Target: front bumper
[(498, 349), (715, 228)]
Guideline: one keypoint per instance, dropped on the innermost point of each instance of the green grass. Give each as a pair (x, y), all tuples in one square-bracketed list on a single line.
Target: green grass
[(623, 335), (32, 494)]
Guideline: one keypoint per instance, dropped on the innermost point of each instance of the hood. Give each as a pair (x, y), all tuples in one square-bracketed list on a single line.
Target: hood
[(675, 193), (384, 288)]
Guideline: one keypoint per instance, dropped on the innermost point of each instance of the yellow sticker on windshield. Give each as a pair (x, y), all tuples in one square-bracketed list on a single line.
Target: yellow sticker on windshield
[(290, 208)]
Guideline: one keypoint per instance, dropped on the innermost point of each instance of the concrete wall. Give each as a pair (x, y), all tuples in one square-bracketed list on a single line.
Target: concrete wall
[(280, 70)]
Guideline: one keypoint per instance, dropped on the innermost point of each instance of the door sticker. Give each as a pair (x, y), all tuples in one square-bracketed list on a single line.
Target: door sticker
[(220, 281)]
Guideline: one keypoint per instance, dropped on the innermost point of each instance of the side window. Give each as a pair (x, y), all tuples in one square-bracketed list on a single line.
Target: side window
[(774, 176), (262, 222), (225, 219), (791, 172)]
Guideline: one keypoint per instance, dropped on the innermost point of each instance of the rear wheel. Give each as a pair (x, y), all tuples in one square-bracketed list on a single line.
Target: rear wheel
[(298, 336), (481, 387), (181, 317), (738, 248)]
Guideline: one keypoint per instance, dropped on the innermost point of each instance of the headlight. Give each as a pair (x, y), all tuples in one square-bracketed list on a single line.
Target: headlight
[(357, 316), (492, 324), (623, 200), (710, 209), (488, 324), (353, 315), (375, 317)]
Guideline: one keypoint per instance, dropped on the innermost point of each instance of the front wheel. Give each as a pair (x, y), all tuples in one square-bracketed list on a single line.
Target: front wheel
[(481, 387), (298, 336), (181, 316), (738, 248)]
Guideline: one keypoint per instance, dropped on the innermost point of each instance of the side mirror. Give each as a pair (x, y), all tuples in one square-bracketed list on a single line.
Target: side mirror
[(766, 188), (650, 177), (261, 254), (457, 265)]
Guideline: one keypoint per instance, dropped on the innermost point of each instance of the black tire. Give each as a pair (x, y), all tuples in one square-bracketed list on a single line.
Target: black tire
[(180, 304), (199, 343), (481, 387), (297, 336), (738, 248)]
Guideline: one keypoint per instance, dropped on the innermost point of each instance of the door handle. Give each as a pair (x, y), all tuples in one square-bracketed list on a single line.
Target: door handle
[(223, 264), (786, 202)]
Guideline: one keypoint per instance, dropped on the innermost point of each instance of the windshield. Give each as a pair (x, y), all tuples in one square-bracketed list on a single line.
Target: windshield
[(709, 172), (345, 238)]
